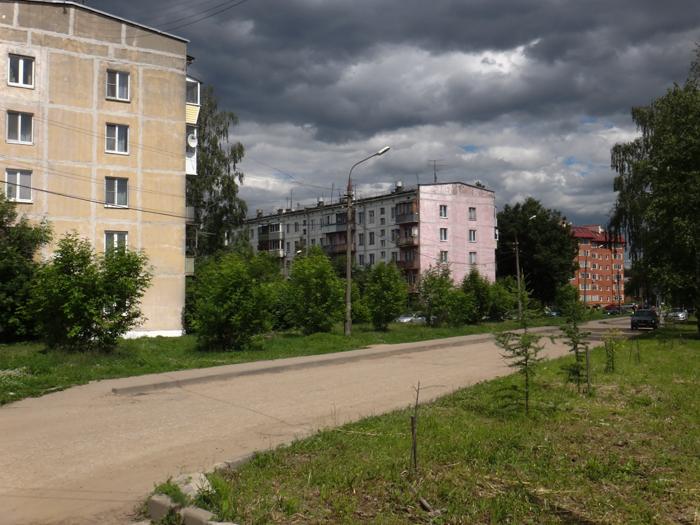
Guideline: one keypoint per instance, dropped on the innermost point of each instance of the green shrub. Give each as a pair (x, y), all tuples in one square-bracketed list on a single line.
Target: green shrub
[(280, 304), (82, 300), (19, 243), (479, 288), (386, 293), (433, 291), (503, 299), (230, 305), (360, 307), (316, 293), (462, 308)]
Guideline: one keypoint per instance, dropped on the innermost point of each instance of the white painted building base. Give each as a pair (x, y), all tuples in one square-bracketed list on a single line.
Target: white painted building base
[(153, 333)]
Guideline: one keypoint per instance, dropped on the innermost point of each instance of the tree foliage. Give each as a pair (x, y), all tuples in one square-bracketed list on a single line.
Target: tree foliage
[(658, 191), (522, 351), (214, 190), (316, 293), (85, 301), (462, 308), (433, 292), (19, 242), (547, 248), (386, 294), (503, 298), (478, 287)]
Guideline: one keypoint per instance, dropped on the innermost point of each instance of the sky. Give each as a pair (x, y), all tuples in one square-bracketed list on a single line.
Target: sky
[(525, 96)]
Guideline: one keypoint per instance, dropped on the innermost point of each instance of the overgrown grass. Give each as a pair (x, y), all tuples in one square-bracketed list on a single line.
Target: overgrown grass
[(30, 370), (628, 454)]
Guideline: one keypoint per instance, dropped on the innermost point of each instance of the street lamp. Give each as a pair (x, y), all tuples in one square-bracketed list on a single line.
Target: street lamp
[(517, 270), (348, 244)]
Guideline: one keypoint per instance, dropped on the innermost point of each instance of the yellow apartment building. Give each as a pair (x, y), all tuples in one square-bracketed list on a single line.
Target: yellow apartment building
[(99, 122)]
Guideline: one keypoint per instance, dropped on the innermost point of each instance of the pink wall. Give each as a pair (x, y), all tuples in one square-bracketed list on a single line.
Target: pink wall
[(458, 198)]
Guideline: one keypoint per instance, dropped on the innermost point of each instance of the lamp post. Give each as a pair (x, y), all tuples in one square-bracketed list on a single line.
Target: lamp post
[(348, 243), (517, 270)]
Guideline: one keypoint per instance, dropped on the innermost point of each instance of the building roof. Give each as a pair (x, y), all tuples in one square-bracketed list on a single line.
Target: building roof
[(595, 233), (108, 15)]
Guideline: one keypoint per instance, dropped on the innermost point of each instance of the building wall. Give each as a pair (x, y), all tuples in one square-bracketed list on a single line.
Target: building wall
[(72, 50), (458, 198), (600, 269)]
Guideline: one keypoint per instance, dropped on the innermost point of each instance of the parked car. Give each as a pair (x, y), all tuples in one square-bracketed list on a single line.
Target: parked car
[(551, 312), (644, 318), (677, 314), (612, 309), (411, 319)]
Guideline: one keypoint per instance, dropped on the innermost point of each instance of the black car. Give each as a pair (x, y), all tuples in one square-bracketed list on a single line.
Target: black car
[(645, 318)]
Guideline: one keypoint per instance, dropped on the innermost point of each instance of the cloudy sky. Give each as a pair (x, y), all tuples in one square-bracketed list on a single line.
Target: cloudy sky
[(526, 96)]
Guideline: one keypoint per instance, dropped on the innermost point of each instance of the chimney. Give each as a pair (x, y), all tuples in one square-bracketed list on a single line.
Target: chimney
[(258, 213)]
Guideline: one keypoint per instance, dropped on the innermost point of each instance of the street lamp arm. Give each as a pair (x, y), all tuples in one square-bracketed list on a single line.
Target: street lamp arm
[(376, 154)]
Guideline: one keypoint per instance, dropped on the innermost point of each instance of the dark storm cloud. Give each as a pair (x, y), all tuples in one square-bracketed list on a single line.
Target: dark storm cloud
[(530, 84)]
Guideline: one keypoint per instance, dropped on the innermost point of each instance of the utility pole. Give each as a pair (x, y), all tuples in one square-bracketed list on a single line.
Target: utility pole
[(517, 274)]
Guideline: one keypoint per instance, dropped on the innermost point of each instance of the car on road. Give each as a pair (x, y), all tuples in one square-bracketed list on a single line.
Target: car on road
[(410, 319), (644, 319), (677, 314)]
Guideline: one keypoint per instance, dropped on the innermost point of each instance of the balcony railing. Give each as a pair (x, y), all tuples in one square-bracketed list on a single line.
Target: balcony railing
[(407, 218), (336, 249), (408, 265), (406, 242), (334, 227)]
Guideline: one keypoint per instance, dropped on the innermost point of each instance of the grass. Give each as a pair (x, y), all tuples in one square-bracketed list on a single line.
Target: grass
[(630, 453), (30, 370)]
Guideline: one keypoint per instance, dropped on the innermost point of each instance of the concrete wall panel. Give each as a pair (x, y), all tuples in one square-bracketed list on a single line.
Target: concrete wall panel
[(164, 146), (139, 37), (96, 27), (14, 35), (70, 180), (69, 44), (42, 16), (163, 95), (163, 303), (7, 13), (154, 59), (70, 80), (70, 135)]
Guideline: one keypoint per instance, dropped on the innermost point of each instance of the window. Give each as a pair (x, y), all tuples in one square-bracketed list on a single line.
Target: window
[(472, 235), (382, 221), (472, 257), (443, 211), (383, 255), (115, 240), (116, 192), (371, 238), (371, 216), (289, 249), (296, 227), (117, 138), (287, 227), (383, 243), (495, 234), (18, 185), (381, 211), (361, 239), (472, 214), (382, 233), (443, 256), (393, 212), (361, 217), (371, 259), (362, 258), (394, 256), (117, 85), (19, 127), (192, 92), (21, 71), (443, 234)]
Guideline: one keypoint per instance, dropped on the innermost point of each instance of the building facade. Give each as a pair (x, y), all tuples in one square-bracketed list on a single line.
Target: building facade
[(95, 118), (416, 228), (600, 275)]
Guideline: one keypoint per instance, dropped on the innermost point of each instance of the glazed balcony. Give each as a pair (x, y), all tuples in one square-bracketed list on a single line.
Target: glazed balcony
[(407, 218), (408, 265)]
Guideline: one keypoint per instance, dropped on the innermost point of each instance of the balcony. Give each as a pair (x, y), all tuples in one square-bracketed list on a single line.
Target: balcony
[(270, 236), (337, 249), (407, 242), (189, 213), (407, 218), (189, 265), (408, 265), (334, 227)]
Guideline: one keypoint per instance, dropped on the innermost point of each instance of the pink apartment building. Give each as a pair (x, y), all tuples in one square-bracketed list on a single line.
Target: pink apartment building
[(451, 223)]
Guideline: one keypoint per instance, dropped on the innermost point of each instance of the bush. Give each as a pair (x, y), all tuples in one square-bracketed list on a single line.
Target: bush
[(230, 305), (316, 293), (84, 301), (433, 291), (503, 299), (479, 288), (462, 308), (280, 304), (360, 308), (386, 293), (19, 243)]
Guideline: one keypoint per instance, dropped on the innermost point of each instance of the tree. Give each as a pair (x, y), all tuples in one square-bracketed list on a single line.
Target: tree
[(214, 190), (85, 301), (386, 294), (567, 300), (658, 191), (433, 293), (316, 292), (522, 350), (19, 243), (462, 308), (231, 305), (478, 287), (503, 298), (547, 248)]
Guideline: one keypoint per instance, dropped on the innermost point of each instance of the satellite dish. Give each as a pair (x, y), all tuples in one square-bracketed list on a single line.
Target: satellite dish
[(192, 140)]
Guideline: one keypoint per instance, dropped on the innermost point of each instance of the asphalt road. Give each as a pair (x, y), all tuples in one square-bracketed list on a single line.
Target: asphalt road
[(89, 455)]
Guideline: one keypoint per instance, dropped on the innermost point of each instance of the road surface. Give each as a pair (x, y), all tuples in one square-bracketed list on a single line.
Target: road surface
[(89, 455)]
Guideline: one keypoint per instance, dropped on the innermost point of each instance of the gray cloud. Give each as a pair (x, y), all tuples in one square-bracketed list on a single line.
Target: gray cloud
[(526, 95)]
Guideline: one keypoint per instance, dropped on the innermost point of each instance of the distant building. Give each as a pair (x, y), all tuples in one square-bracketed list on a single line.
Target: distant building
[(96, 111), (418, 227), (600, 275)]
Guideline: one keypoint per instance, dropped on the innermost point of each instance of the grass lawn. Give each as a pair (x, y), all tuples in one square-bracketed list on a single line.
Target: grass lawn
[(630, 453), (30, 370)]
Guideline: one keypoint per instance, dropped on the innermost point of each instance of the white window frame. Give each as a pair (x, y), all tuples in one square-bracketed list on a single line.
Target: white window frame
[(472, 216), (116, 234), (118, 83), (17, 189), (20, 116), (443, 211), (116, 138), (199, 91), (115, 182), (472, 235), (443, 238), (23, 59), (473, 258), (443, 256)]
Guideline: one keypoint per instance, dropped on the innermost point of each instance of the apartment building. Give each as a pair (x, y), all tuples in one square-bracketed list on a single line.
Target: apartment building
[(601, 266), (98, 112), (419, 227)]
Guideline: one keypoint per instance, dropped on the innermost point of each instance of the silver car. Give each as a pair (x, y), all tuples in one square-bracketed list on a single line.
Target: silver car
[(677, 314)]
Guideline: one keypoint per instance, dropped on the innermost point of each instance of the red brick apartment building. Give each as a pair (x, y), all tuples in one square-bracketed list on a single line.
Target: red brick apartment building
[(601, 265)]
